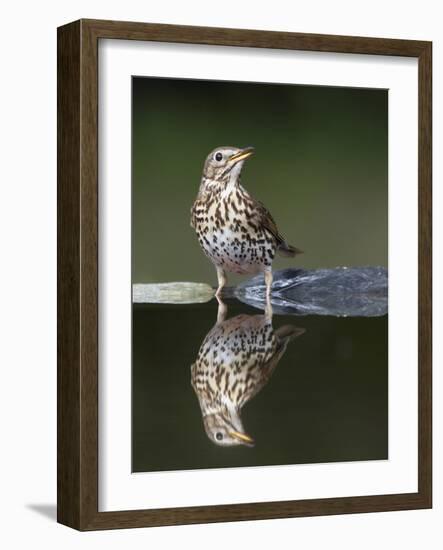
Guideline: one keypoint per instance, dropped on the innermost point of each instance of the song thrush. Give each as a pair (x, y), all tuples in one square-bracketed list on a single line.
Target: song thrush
[(236, 231), (235, 361)]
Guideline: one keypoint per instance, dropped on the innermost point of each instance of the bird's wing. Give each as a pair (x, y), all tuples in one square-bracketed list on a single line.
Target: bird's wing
[(193, 375), (265, 220), (194, 213), (260, 375)]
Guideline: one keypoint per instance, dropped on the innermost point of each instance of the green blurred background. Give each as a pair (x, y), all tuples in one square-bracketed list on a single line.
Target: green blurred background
[(321, 168)]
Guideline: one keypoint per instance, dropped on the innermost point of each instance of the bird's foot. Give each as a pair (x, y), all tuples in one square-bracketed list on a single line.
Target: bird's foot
[(219, 292), (221, 276)]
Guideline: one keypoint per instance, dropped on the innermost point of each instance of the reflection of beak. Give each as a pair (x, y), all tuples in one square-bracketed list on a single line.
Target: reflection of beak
[(242, 155), (243, 438)]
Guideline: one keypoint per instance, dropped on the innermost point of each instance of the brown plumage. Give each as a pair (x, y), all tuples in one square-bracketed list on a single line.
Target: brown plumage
[(236, 232), (235, 361)]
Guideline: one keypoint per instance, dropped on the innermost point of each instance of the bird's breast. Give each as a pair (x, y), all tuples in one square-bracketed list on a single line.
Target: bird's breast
[(231, 360), (231, 239)]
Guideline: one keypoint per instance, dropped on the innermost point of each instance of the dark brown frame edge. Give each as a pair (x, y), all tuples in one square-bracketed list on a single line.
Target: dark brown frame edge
[(77, 428)]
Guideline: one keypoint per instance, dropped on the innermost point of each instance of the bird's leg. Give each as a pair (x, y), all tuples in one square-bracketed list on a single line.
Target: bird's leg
[(222, 310), (268, 282), (221, 276), (268, 310)]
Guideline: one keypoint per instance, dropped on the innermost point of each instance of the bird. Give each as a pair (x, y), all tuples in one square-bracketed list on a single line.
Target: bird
[(235, 230), (234, 362)]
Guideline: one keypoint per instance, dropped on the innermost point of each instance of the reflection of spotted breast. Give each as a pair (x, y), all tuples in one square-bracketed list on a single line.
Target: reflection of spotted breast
[(231, 363), (229, 235)]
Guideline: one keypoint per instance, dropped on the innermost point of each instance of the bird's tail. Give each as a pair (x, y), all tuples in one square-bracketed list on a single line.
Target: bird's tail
[(288, 251), (287, 332)]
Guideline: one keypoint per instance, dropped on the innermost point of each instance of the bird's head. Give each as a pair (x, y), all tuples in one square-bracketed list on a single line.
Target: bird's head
[(224, 164), (221, 430)]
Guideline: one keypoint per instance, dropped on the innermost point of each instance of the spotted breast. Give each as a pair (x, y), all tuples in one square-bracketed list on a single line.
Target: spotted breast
[(229, 234)]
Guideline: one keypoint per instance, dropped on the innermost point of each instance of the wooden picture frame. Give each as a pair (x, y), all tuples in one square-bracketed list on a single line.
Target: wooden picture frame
[(78, 274)]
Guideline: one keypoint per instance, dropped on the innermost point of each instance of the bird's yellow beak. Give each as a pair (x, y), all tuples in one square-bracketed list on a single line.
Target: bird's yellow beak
[(242, 155), (243, 438)]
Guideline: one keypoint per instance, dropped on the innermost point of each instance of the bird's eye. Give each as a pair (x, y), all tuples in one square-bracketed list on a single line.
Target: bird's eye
[(218, 436), (218, 156)]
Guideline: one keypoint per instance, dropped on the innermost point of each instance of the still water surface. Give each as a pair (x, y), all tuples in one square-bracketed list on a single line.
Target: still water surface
[(323, 396)]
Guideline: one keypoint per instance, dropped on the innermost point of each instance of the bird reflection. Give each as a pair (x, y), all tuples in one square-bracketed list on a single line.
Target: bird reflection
[(235, 361)]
